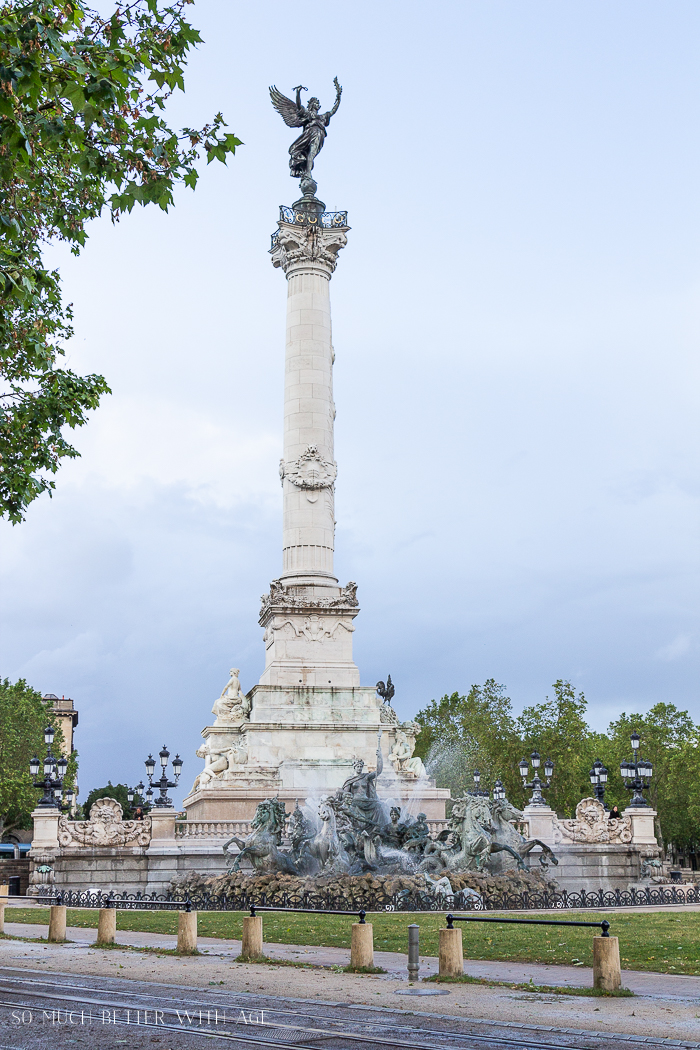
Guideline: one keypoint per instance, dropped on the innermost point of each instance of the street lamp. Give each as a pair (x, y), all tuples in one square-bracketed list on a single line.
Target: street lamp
[(54, 772), (599, 778), (536, 785), (163, 784), (636, 774), (499, 791)]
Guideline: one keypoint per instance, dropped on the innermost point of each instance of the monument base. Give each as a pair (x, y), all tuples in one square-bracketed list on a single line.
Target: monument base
[(301, 742)]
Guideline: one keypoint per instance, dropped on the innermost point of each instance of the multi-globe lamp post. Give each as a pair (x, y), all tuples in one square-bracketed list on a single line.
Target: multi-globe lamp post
[(636, 774), (147, 798), (54, 773), (163, 784), (536, 785), (598, 777)]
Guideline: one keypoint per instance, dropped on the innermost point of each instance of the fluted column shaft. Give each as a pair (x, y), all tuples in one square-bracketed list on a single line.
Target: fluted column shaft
[(308, 257)]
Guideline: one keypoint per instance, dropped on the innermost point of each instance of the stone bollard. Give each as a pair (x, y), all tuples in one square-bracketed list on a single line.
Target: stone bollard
[(252, 946), (451, 957), (2, 918), (57, 923), (107, 926), (187, 932), (362, 946), (606, 964)]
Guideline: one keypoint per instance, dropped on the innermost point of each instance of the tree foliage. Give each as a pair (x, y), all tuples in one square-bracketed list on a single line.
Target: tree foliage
[(115, 791), (460, 733), (463, 733), (82, 129), (23, 716)]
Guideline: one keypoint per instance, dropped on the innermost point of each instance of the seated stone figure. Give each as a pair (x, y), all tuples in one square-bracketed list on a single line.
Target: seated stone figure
[(232, 707), (401, 752)]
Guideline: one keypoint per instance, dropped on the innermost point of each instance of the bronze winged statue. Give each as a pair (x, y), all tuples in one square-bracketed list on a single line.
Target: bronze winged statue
[(306, 148)]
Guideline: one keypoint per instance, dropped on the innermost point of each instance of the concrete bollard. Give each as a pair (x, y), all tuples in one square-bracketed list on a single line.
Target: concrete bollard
[(362, 945), (606, 964), (57, 923), (252, 946), (451, 957), (2, 918), (107, 926), (187, 931)]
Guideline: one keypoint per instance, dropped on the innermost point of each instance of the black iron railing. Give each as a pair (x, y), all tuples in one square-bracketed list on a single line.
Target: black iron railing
[(403, 901), (451, 919), (328, 219)]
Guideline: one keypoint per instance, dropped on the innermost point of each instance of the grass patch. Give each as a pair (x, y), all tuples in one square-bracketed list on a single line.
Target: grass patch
[(362, 969), (664, 942), (265, 960), (141, 948), (595, 993)]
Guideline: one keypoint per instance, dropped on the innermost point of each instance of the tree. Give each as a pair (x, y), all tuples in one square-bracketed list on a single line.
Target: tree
[(82, 128), (462, 733), (115, 791), (23, 716), (557, 729)]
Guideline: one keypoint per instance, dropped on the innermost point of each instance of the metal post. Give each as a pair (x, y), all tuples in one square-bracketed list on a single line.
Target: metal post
[(413, 951)]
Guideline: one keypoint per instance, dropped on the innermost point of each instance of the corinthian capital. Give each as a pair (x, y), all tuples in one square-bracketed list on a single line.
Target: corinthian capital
[(296, 247)]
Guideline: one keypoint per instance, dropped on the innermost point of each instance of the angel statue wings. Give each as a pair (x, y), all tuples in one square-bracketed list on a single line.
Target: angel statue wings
[(306, 148)]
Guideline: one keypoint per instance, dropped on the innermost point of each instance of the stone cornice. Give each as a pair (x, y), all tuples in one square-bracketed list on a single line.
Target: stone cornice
[(280, 600)]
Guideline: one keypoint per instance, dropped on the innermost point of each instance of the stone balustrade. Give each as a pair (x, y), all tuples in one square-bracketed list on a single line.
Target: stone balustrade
[(212, 829), (220, 829)]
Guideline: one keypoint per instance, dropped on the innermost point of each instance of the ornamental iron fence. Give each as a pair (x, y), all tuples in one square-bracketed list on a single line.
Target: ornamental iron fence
[(403, 901)]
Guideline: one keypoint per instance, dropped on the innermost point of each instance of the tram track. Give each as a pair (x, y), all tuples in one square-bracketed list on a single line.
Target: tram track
[(287, 1025)]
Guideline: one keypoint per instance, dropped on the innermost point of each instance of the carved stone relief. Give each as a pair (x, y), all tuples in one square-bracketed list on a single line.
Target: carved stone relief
[(591, 825), (104, 828), (310, 470), (280, 599)]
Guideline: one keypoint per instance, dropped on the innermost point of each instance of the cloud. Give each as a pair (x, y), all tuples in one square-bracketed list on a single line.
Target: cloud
[(675, 649)]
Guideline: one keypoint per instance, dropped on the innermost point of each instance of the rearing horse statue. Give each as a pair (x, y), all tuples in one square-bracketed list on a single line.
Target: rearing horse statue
[(470, 823), (502, 812)]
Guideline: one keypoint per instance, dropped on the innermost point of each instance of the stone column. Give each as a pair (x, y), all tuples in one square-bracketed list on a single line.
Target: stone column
[(308, 255), (307, 617)]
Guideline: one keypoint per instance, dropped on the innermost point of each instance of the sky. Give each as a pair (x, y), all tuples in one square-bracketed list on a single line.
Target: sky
[(515, 322)]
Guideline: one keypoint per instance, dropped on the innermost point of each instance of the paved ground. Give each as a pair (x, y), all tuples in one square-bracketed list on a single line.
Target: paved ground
[(37, 979), (655, 985)]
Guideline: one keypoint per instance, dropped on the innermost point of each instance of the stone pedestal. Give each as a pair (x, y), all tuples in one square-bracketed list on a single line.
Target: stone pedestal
[(642, 825), (45, 837), (540, 820)]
